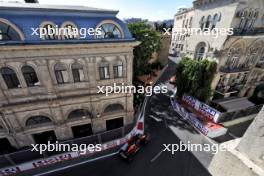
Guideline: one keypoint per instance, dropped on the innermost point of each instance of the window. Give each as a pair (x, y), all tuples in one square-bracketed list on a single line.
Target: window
[(70, 32), (233, 57), (35, 120), (49, 28), (253, 18), (207, 24), (8, 33), (104, 71), (10, 78), (187, 23), (200, 51), (113, 108), (202, 21), (252, 56), (118, 70), (61, 73), (30, 76), (110, 31), (114, 123), (215, 19), (77, 72), (79, 113), (244, 20), (190, 22), (1, 35)]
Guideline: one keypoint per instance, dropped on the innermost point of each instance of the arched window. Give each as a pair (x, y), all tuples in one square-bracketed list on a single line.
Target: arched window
[(202, 21), (187, 23), (253, 17), (118, 69), (70, 32), (61, 73), (49, 29), (200, 51), (190, 22), (30, 76), (207, 23), (113, 108), (233, 57), (183, 23), (8, 33), (77, 72), (36, 120), (252, 56), (215, 19), (10, 78), (243, 20), (80, 113), (109, 31)]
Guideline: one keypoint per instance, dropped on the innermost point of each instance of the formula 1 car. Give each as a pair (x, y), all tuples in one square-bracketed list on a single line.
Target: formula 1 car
[(133, 145)]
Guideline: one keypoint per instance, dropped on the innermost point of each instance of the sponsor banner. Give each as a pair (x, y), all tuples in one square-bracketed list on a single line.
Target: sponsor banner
[(209, 129), (58, 158), (207, 111), (70, 155), (189, 117), (54, 160), (10, 171)]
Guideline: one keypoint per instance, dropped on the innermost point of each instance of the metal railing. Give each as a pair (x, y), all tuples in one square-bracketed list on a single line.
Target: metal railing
[(28, 155)]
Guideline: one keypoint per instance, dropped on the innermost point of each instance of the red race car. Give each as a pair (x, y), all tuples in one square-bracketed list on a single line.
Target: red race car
[(133, 145)]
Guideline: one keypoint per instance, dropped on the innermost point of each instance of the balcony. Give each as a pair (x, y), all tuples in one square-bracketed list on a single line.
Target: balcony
[(243, 32), (227, 69), (260, 64), (228, 89)]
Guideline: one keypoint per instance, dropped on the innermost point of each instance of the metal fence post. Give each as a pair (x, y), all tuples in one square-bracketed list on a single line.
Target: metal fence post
[(99, 138), (123, 131)]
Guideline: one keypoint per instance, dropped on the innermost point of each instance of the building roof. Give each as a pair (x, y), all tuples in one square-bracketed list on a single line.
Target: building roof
[(233, 103), (36, 6), (23, 17)]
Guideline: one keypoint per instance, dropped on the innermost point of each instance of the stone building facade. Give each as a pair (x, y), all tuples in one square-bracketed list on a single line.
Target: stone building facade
[(49, 86), (239, 54)]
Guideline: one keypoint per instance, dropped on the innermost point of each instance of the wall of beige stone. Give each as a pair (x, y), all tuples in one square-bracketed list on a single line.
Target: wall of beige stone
[(57, 101), (253, 141), (218, 48)]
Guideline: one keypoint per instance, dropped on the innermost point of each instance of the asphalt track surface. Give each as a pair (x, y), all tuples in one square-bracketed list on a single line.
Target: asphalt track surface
[(151, 160)]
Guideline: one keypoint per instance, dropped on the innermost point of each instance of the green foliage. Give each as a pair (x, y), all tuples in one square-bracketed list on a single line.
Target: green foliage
[(195, 78), (150, 43)]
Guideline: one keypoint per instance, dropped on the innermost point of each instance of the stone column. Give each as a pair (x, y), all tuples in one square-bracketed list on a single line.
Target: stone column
[(252, 143)]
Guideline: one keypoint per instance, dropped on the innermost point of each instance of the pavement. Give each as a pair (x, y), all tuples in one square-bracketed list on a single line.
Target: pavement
[(165, 126)]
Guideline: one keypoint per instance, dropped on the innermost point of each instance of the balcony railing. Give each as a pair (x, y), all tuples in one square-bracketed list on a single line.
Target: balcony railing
[(233, 88), (226, 69), (244, 32), (260, 64)]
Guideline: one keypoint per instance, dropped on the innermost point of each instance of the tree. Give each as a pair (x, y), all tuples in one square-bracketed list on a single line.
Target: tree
[(150, 43), (195, 78)]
